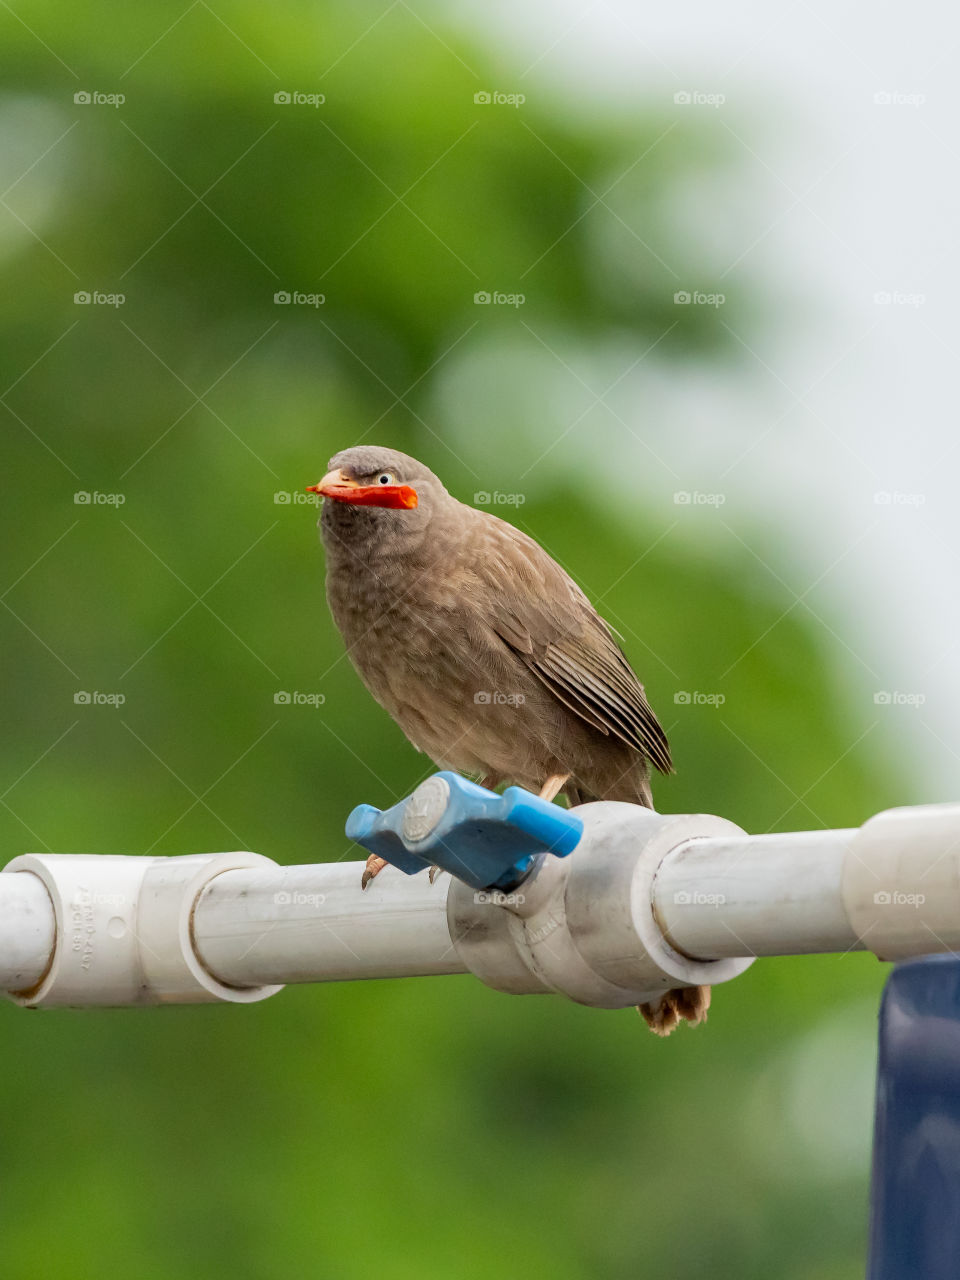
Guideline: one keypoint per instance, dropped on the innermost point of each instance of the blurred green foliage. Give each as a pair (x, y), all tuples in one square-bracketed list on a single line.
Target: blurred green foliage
[(393, 1129)]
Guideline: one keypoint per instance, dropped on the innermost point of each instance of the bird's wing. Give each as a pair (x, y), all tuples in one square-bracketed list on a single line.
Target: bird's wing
[(541, 614)]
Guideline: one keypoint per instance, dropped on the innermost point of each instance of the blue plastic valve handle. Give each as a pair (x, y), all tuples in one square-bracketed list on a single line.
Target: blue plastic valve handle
[(486, 840)]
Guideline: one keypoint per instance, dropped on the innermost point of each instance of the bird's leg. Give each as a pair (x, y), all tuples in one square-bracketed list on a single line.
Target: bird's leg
[(373, 868), (553, 786)]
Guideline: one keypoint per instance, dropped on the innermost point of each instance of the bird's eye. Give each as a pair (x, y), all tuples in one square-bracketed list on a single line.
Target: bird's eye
[(386, 477)]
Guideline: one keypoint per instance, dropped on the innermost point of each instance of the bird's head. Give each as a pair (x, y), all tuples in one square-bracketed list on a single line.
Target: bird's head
[(372, 490)]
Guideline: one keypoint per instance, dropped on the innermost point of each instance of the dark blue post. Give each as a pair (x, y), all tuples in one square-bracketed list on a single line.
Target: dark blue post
[(915, 1199)]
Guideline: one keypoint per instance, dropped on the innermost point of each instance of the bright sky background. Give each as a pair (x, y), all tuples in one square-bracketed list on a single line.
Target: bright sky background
[(844, 214)]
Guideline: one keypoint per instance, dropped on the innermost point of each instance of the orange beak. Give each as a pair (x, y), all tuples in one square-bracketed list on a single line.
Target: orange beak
[(342, 488)]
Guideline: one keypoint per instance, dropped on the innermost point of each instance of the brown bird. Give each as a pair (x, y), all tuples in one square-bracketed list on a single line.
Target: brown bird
[(486, 653)]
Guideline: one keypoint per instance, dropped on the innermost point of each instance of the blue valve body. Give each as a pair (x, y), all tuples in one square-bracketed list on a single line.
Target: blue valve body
[(486, 840)]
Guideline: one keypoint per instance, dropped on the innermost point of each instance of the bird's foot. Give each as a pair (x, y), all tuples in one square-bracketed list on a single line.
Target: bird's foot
[(554, 785), (434, 872), (373, 868), (688, 1004)]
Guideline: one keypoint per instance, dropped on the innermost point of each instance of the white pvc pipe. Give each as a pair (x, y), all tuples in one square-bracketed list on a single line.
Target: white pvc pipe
[(645, 901), (26, 930), (315, 924), (772, 895)]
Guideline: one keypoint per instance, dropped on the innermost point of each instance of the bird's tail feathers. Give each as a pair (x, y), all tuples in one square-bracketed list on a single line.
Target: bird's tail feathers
[(682, 1004)]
